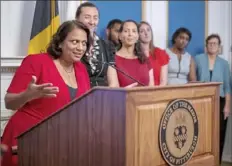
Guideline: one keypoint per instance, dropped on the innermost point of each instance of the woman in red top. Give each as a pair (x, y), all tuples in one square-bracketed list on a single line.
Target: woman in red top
[(44, 83), (130, 59), (158, 57)]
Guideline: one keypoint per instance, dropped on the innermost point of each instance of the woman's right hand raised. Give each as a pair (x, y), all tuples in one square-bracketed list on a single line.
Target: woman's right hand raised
[(35, 91)]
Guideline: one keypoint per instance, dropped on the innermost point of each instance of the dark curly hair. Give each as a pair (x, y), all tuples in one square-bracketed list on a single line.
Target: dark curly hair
[(53, 48), (138, 49), (111, 23), (179, 31)]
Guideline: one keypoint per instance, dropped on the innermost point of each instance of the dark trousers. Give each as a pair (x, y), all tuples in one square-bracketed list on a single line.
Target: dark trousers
[(223, 125)]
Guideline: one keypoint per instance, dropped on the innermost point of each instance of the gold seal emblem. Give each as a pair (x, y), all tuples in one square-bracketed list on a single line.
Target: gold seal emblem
[(178, 132)]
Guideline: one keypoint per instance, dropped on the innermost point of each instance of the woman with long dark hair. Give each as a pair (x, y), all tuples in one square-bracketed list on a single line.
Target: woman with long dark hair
[(131, 59)]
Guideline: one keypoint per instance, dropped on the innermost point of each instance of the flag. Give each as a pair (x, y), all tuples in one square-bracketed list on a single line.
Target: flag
[(45, 23)]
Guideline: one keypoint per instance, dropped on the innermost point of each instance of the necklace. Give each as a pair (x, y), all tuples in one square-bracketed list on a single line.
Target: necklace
[(65, 69), (67, 76)]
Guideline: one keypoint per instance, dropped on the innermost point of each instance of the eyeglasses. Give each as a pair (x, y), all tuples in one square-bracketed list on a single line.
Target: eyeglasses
[(212, 43)]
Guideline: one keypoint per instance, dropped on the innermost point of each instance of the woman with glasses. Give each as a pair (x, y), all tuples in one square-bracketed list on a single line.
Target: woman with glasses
[(211, 68)]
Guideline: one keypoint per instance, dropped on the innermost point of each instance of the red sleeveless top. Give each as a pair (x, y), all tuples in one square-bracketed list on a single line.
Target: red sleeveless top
[(134, 68)]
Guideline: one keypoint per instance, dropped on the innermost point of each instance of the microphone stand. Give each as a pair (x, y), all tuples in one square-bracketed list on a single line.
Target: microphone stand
[(116, 68)]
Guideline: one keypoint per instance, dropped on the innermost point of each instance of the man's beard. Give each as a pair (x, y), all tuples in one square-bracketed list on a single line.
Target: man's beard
[(113, 41)]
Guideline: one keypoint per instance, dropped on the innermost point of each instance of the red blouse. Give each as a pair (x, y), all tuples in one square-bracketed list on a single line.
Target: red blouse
[(133, 68), (157, 60), (43, 67)]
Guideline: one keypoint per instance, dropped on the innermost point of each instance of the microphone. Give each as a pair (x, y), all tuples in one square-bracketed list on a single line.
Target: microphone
[(121, 71)]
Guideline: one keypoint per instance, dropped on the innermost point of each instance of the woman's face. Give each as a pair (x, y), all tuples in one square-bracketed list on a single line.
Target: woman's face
[(145, 33), (213, 46), (74, 46), (129, 35), (182, 40), (90, 17)]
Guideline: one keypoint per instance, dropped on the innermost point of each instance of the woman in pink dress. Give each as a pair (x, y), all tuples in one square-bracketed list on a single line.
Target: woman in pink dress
[(131, 60), (44, 83)]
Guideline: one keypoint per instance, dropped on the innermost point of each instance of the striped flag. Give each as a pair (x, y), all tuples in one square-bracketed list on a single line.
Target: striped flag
[(45, 24)]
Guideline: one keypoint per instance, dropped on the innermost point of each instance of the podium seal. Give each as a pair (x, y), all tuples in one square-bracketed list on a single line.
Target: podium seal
[(178, 132)]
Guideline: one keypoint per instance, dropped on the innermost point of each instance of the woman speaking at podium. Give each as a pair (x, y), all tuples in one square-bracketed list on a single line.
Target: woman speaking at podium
[(44, 83)]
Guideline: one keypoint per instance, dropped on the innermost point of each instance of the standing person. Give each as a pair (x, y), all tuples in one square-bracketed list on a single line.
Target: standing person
[(158, 57), (210, 67), (131, 59), (88, 14), (181, 68), (46, 82), (112, 32)]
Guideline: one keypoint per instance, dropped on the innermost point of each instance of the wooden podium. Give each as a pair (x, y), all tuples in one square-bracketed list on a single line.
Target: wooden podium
[(120, 127)]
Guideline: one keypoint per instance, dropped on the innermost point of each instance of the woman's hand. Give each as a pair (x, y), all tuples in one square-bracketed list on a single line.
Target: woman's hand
[(35, 91), (226, 112), (132, 85), (4, 149), (14, 101)]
